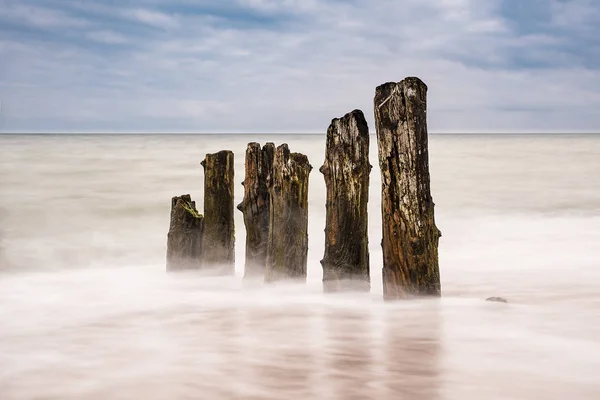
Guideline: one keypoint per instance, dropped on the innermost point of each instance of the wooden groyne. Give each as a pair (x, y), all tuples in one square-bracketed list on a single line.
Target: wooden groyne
[(287, 248), (346, 170), (410, 236), (256, 207), (218, 240)]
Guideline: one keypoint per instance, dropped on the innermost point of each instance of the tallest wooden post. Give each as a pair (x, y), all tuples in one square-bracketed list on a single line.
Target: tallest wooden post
[(410, 236)]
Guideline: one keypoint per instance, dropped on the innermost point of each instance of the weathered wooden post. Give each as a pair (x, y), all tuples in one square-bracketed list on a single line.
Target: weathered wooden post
[(218, 240), (184, 240), (346, 170), (256, 207), (287, 249), (410, 236)]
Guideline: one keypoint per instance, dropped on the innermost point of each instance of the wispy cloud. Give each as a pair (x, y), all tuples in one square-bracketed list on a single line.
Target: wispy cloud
[(107, 37), (290, 65), (153, 18), (39, 17)]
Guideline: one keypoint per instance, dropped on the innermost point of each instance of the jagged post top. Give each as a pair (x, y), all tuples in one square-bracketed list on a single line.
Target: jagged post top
[(221, 155), (356, 115), (385, 91), (300, 159), (185, 197), (188, 204), (410, 81), (351, 131), (256, 146)]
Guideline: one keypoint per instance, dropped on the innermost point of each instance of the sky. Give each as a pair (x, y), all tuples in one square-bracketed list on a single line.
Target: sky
[(285, 66)]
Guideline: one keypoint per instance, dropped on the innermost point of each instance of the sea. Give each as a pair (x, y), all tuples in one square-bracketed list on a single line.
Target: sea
[(88, 311)]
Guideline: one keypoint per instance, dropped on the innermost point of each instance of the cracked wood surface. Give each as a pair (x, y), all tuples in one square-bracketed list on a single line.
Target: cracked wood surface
[(219, 230), (256, 207), (184, 240), (346, 170), (410, 236), (287, 248)]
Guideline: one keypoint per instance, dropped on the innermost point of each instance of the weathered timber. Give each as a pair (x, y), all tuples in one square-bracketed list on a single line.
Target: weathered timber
[(256, 207), (346, 170), (218, 240), (287, 249), (184, 240), (410, 236)]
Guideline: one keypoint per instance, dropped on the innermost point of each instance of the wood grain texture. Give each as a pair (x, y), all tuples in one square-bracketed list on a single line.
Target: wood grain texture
[(346, 170), (219, 228), (287, 249), (184, 240), (256, 207), (410, 236)]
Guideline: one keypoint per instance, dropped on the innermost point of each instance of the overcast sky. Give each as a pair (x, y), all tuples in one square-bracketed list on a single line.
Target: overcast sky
[(293, 65)]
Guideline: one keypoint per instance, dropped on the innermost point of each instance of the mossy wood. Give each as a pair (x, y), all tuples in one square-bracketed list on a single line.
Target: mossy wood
[(346, 170), (256, 207), (410, 236), (287, 249), (184, 240), (219, 230)]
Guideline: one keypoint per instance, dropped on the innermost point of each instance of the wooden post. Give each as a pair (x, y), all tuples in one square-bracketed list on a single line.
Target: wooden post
[(184, 240), (346, 170), (219, 230), (410, 236), (256, 207), (287, 249)]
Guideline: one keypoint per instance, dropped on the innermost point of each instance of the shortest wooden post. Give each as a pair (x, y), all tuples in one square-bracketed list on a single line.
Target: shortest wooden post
[(184, 240), (287, 249)]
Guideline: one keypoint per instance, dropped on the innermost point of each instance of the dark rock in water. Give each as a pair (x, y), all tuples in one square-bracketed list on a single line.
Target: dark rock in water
[(497, 299), (256, 207), (218, 240), (346, 170), (287, 249), (410, 236), (184, 240)]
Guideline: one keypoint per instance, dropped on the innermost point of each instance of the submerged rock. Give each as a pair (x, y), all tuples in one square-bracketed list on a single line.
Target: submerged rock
[(497, 299)]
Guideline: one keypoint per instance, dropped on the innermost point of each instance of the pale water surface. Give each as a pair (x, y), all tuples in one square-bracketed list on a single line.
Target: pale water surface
[(88, 312)]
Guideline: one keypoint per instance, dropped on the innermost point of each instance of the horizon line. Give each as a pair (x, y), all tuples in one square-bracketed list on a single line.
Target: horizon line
[(455, 133)]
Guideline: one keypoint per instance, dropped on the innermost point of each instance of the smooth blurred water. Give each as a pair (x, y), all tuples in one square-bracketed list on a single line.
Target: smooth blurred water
[(87, 311)]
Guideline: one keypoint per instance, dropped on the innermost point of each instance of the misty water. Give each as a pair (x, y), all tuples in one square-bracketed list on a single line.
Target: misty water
[(87, 310)]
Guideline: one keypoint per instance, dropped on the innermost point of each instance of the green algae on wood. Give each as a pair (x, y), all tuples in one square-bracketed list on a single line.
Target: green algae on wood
[(287, 248), (218, 239), (410, 236), (256, 207), (184, 240), (346, 170)]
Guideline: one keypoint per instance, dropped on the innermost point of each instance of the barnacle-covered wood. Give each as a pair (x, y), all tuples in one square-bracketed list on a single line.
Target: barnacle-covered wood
[(256, 206), (219, 229), (184, 240), (287, 249), (346, 170), (410, 236)]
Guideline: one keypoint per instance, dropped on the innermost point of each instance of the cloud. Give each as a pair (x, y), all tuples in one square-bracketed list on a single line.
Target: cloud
[(39, 17), (153, 18), (107, 37), (266, 65)]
